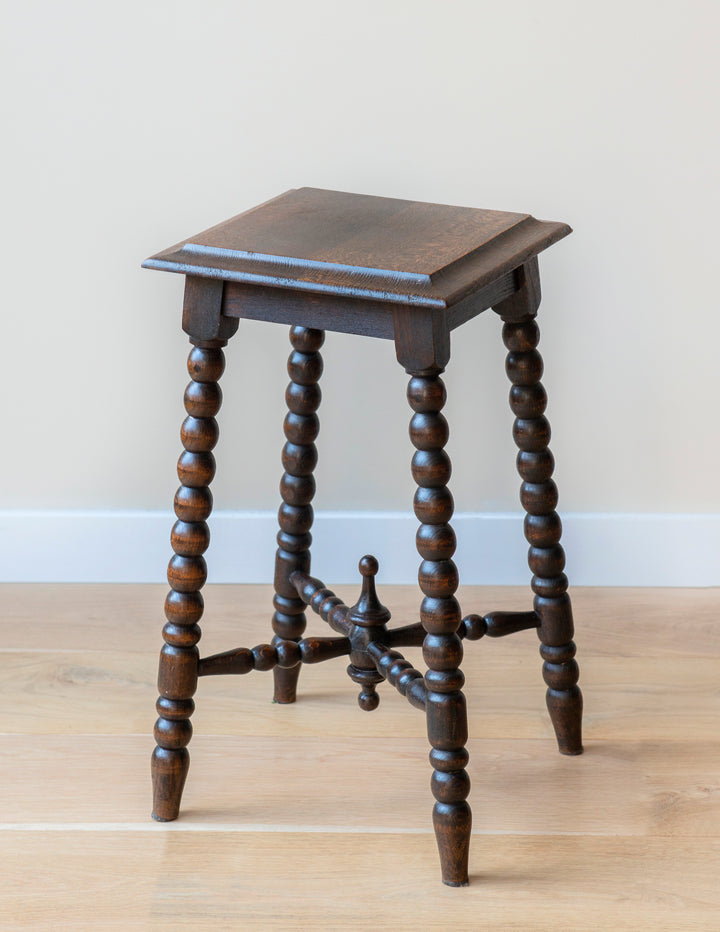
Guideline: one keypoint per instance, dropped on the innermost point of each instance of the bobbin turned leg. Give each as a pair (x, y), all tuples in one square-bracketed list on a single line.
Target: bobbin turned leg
[(546, 557), (177, 678), (297, 488), (440, 615)]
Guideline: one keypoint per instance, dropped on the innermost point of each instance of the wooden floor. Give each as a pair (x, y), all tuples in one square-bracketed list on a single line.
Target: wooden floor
[(317, 815)]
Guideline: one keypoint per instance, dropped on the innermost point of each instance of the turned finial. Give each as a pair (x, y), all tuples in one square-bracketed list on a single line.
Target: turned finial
[(368, 611)]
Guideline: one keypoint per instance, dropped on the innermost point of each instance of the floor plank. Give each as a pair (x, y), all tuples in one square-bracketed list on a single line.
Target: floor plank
[(619, 788), (76, 692), (181, 880), (652, 622)]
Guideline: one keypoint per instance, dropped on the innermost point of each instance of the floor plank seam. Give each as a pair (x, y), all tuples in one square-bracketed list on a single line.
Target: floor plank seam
[(262, 828)]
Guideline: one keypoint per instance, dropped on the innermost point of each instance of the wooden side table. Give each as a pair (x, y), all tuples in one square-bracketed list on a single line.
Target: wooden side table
[(404, 271)]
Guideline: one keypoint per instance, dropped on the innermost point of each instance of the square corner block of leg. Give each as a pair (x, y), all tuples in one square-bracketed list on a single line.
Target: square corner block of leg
[(203, 319)]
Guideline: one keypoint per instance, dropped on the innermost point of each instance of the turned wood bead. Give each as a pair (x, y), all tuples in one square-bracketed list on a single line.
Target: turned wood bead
[(521, 338), (307, 648), (190, 539), (426, 394), (438, 578), (186, 574), (322, 600), (295, 519), (289, 653), (196, 469), (445, 681), (172, 734), (524, 368), (433, 506), (431, 468), (307, 339), (406, 679), (174, 709), (543, 530), (193, 505), (435, 542), (453, 787), (474, 627), (442, 652), (535, 467), (560, 654), (327, 604), (199, 434), (449, 761), (203, 399), (549, 588), (305, 368), (532, 434), (546, 561), (401, 674), (292, 545), (264, 657), (206, 365), (297, 490), (561, 676), (539, 498), (528, 401), (301, 428), (299, 459), (368, 699), (288, 605), (291, 626), (303, 399), (428, 431), (181, 635), (440, 616), (184, 608)]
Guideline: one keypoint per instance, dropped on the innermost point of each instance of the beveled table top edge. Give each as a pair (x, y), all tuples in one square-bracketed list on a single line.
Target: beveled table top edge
[(510, 239)]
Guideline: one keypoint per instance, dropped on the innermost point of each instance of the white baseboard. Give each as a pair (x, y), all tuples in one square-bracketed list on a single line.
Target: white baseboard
[(133, 546)]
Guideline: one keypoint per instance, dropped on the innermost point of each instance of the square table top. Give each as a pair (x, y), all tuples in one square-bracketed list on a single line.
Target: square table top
[(360, 246)]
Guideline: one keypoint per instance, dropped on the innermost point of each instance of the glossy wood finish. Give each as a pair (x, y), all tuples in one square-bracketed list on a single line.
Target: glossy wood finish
[(546, 558), (297, 488), (410, 272), (187, 572)]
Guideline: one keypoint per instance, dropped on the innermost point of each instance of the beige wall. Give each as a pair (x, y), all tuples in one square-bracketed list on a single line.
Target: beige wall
[(128, 127)]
